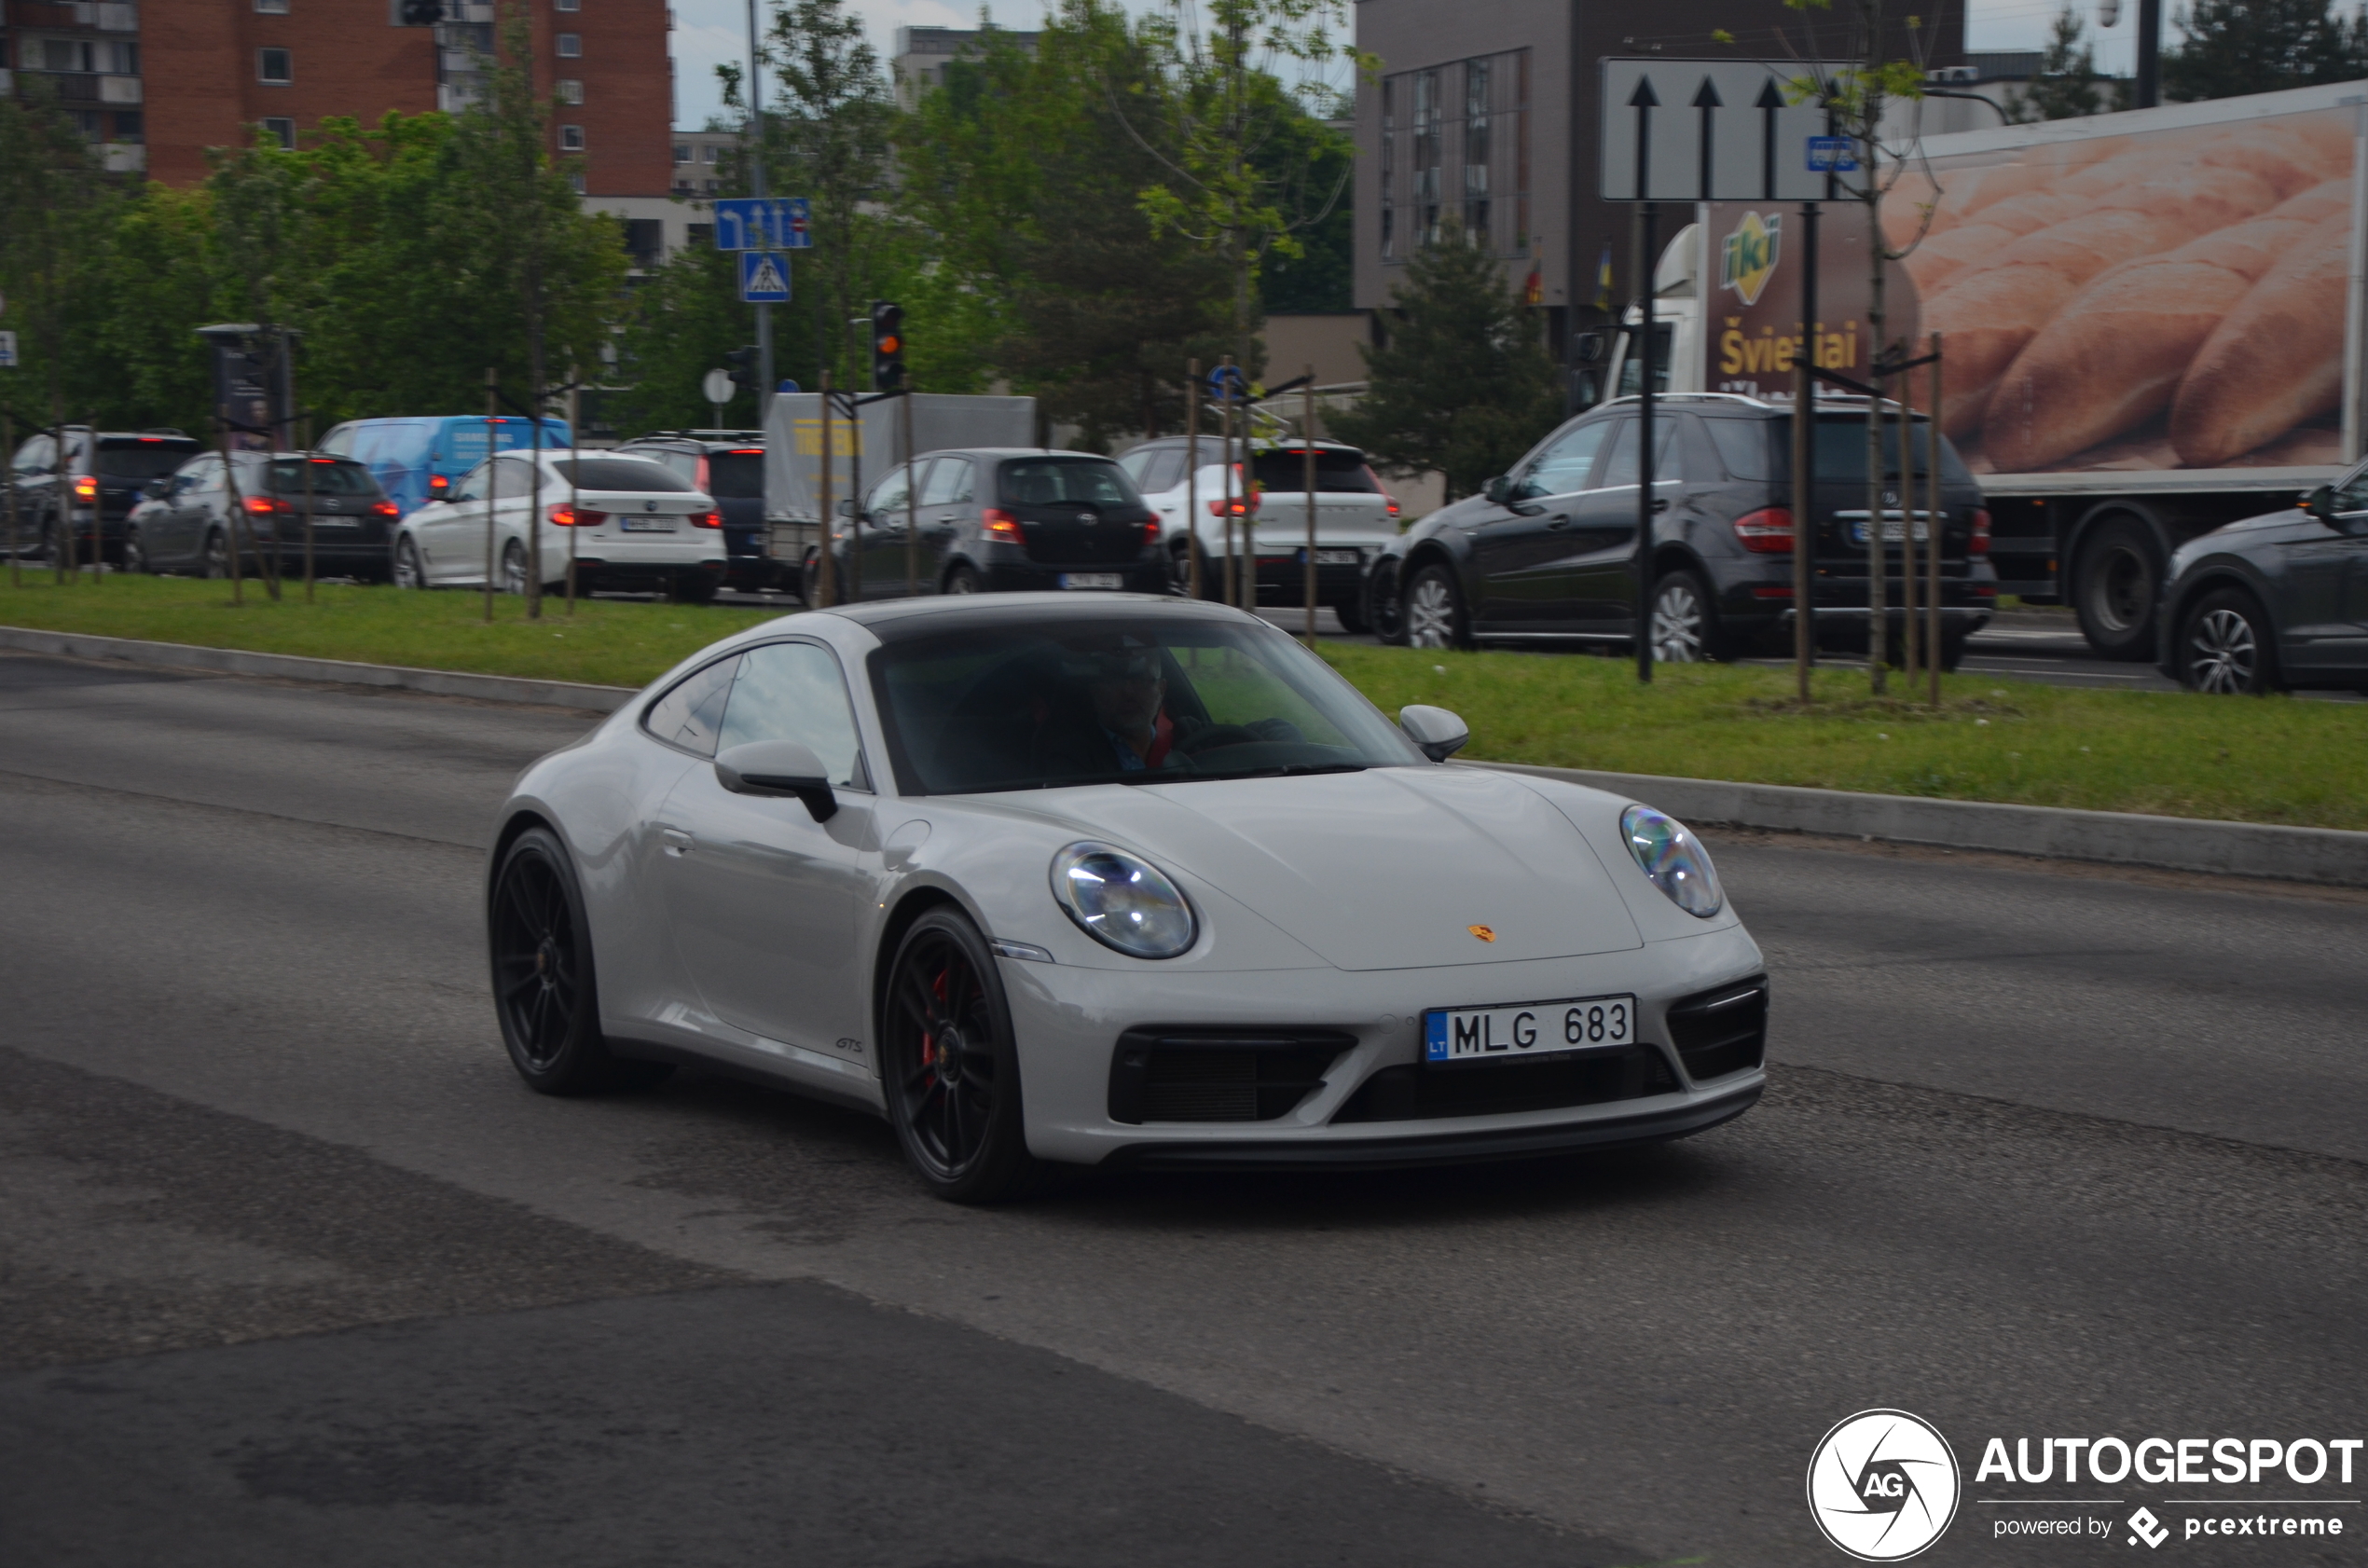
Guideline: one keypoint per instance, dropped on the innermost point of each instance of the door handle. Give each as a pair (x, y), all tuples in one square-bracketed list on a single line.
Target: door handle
[(1660, 504), (1558, 521), (678, 842)]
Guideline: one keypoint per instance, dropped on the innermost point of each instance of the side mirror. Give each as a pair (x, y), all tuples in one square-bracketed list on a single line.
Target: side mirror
[(782, 768), (2320, 502), (1588, 347), (847, 506), (1499, 489), (1438, 733)]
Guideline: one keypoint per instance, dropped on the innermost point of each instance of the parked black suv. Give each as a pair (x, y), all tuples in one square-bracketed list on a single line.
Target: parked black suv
[(729, 465), (1547, 555), (49, 493)]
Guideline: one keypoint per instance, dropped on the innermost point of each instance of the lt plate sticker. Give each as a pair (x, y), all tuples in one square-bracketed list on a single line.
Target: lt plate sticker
[(1528, 1029)]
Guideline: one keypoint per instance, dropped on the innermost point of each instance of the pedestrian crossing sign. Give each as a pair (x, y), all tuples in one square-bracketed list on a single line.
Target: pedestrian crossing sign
[(765, 277)]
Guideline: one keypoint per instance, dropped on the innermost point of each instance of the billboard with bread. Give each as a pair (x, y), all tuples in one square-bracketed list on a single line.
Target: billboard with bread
[(2176, 296)]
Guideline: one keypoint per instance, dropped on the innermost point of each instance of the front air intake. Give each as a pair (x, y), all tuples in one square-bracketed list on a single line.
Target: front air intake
[(1721, 1031), (1218, 1074)]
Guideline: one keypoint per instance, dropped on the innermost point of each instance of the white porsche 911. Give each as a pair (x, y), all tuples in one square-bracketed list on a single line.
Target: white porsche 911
[(1106, 880)]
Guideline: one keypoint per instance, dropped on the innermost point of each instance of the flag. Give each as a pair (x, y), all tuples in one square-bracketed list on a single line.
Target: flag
[(1603, 279)]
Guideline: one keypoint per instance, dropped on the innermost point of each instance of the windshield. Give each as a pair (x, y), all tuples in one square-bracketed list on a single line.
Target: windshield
[(618, 473), (1067, 481), (735, 476), (151, 458), (1120, 700), (1336, 472), (329, 477)]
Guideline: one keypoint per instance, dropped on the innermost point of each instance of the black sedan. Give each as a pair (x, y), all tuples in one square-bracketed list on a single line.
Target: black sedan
[(191, 518), (2274, 603)]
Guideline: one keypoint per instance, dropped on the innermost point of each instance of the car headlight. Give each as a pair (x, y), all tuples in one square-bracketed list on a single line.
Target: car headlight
[(1122, 900), (1672, 859)]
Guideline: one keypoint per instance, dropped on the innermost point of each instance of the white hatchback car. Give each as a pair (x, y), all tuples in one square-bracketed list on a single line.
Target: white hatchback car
[(1356, 516), (635, 525), (1109, 880)]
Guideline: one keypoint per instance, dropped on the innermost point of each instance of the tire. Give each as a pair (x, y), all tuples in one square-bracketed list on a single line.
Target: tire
[(1432, 611), (407, 572), (1952, 650), (2116, 579), (1383, 611), (2227, 647), (1352, 613), (809, 580), (1685, 629), (512, 567), (213, 555), (1212, 580), (135, 558), (950, 1066), (964, 580), (545, 992), (693, 587)]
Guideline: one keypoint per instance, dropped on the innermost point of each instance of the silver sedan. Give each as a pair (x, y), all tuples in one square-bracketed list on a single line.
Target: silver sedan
[(1103, 880)]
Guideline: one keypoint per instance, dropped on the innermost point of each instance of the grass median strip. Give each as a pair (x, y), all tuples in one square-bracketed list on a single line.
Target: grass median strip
[(2172, 754), (607, 642)]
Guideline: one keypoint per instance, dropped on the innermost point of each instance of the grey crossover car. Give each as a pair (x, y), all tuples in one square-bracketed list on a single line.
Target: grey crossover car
[(183, 523), (1548, 556), (2274, 603)]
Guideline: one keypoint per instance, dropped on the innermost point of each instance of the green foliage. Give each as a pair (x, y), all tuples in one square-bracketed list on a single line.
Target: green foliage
[(2235, 46), (1464, 386), (2067, 85), (686, 316), (55, 202)]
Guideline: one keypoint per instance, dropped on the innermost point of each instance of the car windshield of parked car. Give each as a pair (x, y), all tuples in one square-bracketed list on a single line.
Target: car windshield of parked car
[(1067, 481), (148, 458), (735, 476), (1336, 472), (1125, 699), (618, 473), (328, 475), (1841, 451)]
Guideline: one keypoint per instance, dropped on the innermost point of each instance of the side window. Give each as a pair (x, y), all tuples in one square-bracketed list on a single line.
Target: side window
[(338, 443), (1137, 464), (1564, 464), (33, 456), (793, 691), (690, 715), (516, 476), (207, 474), (2351, 492), (887, 505), (1621, 468), (469, 486), (1166, 472), (948, 484)]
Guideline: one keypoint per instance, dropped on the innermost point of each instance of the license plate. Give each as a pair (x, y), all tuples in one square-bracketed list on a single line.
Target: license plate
[(646, 524), (1528, 1029), (1092, 580), (1330, 557), (1894, 530)]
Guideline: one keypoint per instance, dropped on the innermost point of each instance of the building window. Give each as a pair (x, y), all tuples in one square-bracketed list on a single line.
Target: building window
[(272, 8), (1476, 149), (571, 138), (707, 153), (566, 5), (60, 54), (571, 91), (1389, 169), (281, 131), (1426, 158), (575, 178), (1483, 136), (130, 126), (681, 153), (571, 46), (274, 67)]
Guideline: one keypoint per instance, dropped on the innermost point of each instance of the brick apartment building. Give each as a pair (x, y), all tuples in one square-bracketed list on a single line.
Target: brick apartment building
[(157, 82)]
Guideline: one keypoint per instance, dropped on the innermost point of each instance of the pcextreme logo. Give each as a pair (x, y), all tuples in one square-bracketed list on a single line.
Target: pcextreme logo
[(1883, 1485)]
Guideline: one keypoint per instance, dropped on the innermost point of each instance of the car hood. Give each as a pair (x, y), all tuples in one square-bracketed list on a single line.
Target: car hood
[(1392, 868)]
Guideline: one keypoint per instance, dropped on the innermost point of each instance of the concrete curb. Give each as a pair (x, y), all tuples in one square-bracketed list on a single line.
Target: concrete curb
[(2323, 855), (289, 666)]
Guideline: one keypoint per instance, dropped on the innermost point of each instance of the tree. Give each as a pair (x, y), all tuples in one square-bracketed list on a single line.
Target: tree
[(1228, 187), (1464, 386), (2067, 85), (2235, 46), (685, 317)]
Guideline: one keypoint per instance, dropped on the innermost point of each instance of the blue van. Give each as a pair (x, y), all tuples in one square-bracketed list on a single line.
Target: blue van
[(416, 459)]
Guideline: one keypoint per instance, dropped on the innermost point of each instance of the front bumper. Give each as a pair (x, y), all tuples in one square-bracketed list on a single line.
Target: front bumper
[(1068, 1020)]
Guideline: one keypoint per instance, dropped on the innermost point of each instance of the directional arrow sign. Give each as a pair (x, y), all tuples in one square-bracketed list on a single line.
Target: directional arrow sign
[(1723, 151), (763, 222)]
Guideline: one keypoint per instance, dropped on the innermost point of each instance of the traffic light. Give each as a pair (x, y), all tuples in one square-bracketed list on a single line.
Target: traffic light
[(888, 346), (744, 372)]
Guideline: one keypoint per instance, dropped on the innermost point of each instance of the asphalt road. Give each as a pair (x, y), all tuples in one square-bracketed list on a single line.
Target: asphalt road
[(292, 1271)]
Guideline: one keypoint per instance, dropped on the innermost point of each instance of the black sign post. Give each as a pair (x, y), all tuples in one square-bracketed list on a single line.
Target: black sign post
[(1645, 101)]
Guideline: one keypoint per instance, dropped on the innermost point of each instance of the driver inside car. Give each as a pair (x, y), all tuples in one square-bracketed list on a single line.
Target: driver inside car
[(1127, 726)]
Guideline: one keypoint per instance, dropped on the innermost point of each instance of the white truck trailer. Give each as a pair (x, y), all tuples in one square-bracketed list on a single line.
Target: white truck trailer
[(2152, 324)]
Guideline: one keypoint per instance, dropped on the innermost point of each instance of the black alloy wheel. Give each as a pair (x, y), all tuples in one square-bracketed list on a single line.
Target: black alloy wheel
[(950, 1067), (407, 570), (544, 990), (963, 580), (512, 567), (2226, 646), (1684, 622), (2116, 579), (135, 558), (213, 559), (1432, 611)]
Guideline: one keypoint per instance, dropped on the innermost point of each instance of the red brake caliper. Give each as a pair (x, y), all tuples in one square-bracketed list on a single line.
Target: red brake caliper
[(929, 1040)]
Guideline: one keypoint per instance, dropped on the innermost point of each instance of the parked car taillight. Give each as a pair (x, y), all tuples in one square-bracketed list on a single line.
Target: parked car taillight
[(438, 484), (1376, 480), (1000, 523), (264, 506), (1151, 531), (1980, 544), (85, 486), (707, 519), (577, 517), (1245, 497), (386, 509), (1768, 532)]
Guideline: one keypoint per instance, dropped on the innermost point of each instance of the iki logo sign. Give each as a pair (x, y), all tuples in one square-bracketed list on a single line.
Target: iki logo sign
[(1883, 1485)]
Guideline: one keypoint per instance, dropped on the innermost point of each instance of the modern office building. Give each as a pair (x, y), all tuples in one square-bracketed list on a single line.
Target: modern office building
[(1485, 113), (922, 52), (157, 82)]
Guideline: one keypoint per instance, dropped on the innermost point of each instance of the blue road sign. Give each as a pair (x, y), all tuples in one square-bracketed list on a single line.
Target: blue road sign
[(1832, 154), (765, 277), (763, 222), (1226, 384)]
